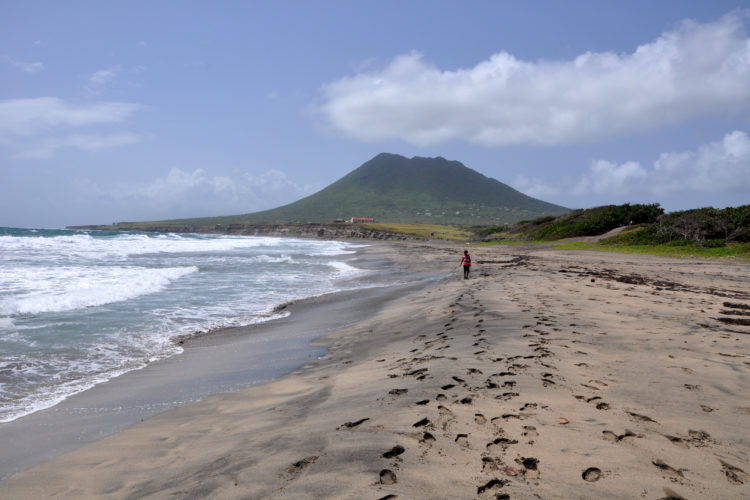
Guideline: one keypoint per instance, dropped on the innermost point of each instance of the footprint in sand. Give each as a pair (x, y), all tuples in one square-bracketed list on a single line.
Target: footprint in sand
[(699, 439), (387, 477), (592, 474), (642, 418), (529, 407), (500, 444), (531, 465), (530, 432), (489, 465), (492, 487), (422, 423), (671, 495), (667, 468), (444, 411), (677, 441), (297, 467), (462, 440), (394, 452), (507, 396), (626, 437), (735, 475), (479, 419), (427, 438), (351, 425)]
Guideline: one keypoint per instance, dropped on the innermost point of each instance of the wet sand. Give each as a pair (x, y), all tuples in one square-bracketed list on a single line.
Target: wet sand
[(545, 375), (215, 362)]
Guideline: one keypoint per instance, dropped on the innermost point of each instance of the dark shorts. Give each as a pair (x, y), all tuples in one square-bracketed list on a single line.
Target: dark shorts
[(467, 268)]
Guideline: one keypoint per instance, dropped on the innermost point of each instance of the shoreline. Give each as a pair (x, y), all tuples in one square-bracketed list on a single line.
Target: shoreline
[(546, 374), (211, 363)]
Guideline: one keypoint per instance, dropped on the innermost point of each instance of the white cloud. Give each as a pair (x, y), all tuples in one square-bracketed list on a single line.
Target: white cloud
[(27, 67), (103, 76), (716, 170), (39, 127), (606, 177), (722, 166), (184, 194), (538, 188), (28, 117), (695, 70), (47, 148)]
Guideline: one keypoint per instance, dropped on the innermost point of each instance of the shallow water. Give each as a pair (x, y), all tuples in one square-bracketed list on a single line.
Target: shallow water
[(78, 308)]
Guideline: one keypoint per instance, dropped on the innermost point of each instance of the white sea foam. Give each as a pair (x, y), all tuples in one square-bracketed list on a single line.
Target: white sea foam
[(125, 245), (344, 269), (270, 259), (333, 248), (48, 398), (56, 341), (54, 289)]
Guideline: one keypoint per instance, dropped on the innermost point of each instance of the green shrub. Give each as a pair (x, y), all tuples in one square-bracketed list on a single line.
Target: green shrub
[(714, 243), (708, 223), (589, 222)]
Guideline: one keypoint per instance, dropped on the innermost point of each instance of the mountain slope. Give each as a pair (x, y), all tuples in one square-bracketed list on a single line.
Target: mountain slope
[(397, 189), (392, 188)]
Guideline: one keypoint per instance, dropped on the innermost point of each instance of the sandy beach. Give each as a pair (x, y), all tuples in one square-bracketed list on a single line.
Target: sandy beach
[(546, 375)]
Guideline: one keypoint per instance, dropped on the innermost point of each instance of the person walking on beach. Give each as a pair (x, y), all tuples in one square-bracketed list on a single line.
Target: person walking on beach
[(466, 262)]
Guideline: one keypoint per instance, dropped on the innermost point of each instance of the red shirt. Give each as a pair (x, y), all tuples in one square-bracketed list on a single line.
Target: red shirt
[(466, 260)]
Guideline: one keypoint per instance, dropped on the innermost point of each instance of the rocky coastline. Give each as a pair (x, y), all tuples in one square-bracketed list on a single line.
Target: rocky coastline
[(336, 231)]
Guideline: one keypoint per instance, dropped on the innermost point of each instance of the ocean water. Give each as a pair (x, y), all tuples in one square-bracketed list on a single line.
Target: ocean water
[(78, 308)]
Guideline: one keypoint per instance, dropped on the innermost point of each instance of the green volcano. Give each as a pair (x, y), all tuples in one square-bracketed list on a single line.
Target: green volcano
[(392, 188)]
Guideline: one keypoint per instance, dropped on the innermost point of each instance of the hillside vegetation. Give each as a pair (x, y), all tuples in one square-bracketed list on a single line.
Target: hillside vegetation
[(703, 227), (393, 188), (703, 231), (584, 222)]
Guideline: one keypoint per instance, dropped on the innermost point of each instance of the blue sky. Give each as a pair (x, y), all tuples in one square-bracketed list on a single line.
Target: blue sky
[(118, 111)]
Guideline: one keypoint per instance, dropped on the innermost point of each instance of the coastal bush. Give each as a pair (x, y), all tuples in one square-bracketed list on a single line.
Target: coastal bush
[(708, 223), (705, 227), (741, 235), (588, 222)]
